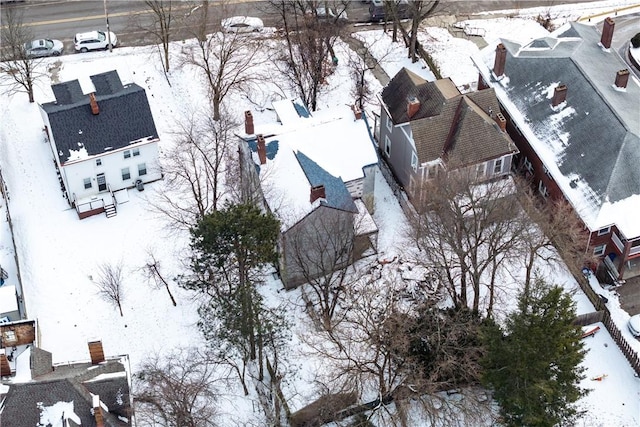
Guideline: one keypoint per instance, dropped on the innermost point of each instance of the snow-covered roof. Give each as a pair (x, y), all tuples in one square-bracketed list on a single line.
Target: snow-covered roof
[(8, 301), (589, 143), (327, 147)]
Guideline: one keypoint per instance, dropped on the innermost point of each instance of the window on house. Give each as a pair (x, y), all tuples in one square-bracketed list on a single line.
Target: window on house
[(481, 169), (389, 123), (127, 154), (136, 151), (528, 165), (126, 174), (9, 336), (542, 189), (414, 162), (497, 166), (599, 250), (546, 172), (387, 146), (142, 169), (98, 162), (87, 183), (604, 231)]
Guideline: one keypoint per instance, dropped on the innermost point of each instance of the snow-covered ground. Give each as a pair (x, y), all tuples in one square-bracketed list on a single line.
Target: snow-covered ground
[(59, 254)]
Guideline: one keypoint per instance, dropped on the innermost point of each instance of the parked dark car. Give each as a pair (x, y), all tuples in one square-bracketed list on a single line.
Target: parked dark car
[(377, 10)]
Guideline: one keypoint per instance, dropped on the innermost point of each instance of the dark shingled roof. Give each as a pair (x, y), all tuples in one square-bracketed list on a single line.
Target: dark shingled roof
[(336, 194), (23, 402), (600, 130), (448, 124), (124, 116)]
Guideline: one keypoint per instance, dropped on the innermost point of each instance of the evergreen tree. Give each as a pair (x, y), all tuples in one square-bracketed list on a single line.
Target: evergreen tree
[(533, 366), (230, 247)]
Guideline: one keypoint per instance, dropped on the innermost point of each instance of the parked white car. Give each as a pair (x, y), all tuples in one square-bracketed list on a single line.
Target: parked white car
[(94, 40), (634, 325), (242, 24)]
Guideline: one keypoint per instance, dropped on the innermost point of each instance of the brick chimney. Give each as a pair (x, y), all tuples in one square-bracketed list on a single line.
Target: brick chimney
[(559, 95), (94, 104), (502, 122), (262, 149), (501, 59), (248, 123), (622, 78), (96, 352), (5, 368), (413, 105), (97, 411), (317, 193), (356, 111), (607, 32)]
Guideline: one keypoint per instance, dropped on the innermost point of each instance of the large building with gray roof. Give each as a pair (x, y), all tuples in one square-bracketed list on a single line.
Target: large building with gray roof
[(573, 109)]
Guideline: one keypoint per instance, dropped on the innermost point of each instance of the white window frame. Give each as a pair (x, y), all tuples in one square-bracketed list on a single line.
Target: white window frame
[(498, 165), (604, 231), (528, 165), (142, 169), (98, 162), (543, 190), (135, 152), (414, 161), (87, 183), (126, 154), (389, 123), (546, 172), (599, 250), (125, 171), (387, 146)]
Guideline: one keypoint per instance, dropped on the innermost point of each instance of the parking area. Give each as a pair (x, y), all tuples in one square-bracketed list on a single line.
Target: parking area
[(630, 295)]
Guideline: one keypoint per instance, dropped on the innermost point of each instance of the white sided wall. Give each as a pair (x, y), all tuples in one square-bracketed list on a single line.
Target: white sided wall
[(112, 163)]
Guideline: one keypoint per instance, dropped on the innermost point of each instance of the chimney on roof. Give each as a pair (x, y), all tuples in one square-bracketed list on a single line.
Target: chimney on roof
[(607, 32), (622, 78), (501, 59), (96, 352), (559, 95), (5, 368), (248, 123), (356, 111), (94, 104), (97, 411), (502, 122), (413, 105), (317, 192), (262, 149)]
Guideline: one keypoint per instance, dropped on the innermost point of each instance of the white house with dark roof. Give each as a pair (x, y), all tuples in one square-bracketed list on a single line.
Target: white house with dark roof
[(574, 111), (102, 141), (315, 173)]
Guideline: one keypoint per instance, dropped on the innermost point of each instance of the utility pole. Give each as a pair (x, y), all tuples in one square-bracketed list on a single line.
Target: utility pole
[(106, 17)]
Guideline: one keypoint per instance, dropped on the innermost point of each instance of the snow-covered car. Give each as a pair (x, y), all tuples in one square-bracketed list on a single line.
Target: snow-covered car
[(634, 325), (43, 47), (94, 40), (242, 24)]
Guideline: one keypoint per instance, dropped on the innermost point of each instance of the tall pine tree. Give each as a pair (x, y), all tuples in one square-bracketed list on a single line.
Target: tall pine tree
[(533, 364), (230, 247)]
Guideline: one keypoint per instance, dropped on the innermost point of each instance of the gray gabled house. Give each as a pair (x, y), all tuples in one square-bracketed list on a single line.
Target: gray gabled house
[(573, 109), (427, 128), (102, 141)]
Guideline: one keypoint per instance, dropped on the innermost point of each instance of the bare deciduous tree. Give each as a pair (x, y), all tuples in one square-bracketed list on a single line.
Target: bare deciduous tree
[(160, 28), (18, 68), (181, 389), (418, 11), (109, 283), (153, 273), (196, 167), (309, 38), (226, 61)]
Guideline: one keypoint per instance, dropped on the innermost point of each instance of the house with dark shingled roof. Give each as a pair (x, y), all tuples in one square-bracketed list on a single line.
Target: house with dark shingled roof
[(102, 142), (573, 109), (427, 128)]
